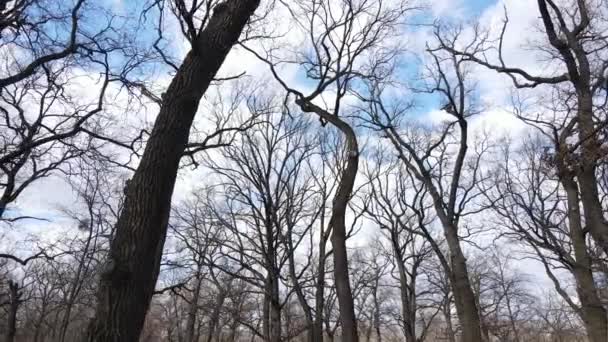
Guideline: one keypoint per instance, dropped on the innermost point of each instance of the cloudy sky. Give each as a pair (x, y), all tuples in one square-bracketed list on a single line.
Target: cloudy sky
[(47, 197)]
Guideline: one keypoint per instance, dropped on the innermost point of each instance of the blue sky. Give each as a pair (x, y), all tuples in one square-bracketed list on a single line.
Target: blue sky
[(478, 5)]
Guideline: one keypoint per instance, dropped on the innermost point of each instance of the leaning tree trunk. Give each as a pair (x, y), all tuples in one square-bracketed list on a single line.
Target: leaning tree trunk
[(464, 297), (337, 221), (127, 282)]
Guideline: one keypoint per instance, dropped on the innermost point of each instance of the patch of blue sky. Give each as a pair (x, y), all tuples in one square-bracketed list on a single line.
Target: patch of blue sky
[(410, 68)]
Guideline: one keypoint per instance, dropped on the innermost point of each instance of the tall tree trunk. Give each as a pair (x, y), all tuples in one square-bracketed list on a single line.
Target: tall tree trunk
[(408, 309), (76, 284), (591, 147), (317, 328), (576, 58), (407, 293), (337, 221), (464, 297), (592, 312), (127, 283), (193, 310), (376, 320), (266, 312), (275, 312), (14, 301)]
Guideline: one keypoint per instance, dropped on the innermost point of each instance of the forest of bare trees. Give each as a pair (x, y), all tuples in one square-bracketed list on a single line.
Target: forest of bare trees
[(310, 170)]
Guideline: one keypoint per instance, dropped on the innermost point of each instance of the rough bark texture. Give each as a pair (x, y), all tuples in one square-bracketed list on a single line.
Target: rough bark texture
[(592, 311), (127, 283), (337, 221), (464, 297)]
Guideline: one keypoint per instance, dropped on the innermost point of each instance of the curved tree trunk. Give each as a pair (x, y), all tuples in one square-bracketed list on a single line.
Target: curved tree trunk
[(127, 283), (337, 221)]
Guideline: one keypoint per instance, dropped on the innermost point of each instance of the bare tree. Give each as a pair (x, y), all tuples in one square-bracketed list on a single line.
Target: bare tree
[(44, 125), (269, 209), (127, 283), (442, 162), (392, 199), (341, 35), (541, 209), (576, 43)]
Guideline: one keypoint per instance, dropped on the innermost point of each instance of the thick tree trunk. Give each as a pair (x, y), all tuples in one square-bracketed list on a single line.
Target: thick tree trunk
[(338, 220), (266, 313), (592, 312), (127, 283), (272, 310), (591, 148), (275, 313), (408, 312), (576, 58), (464, 297)]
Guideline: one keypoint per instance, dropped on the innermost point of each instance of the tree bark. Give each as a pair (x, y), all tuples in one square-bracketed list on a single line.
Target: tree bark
[(592, 312), (576, 58), (127, 282), (587, 177), (408, 299), (275, 312), (337, 221), (464, 298)]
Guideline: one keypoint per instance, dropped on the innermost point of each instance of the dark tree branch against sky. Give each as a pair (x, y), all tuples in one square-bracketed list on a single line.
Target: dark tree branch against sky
[(311, 170)]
